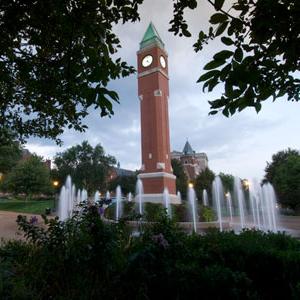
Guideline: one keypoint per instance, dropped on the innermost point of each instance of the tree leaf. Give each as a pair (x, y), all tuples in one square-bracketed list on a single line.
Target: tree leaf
[(223, 55), (227, 41), (214, 64), (208, 75), (257, 106), (238, 54), (218, 18), (219, 4), (213, 112), (221, 28)]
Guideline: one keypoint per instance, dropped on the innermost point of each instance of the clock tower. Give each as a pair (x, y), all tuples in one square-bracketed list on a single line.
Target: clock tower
[(153, 92)]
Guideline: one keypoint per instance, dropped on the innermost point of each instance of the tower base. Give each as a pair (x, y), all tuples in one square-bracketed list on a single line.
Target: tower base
[(154, 185), (159, 198)]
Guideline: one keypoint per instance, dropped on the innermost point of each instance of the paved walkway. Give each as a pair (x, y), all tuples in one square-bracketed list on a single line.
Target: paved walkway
[(9, 228), (8, 225)]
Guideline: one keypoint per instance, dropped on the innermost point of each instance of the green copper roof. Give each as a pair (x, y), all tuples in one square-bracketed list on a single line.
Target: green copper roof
[(188, 150), (151, 36)]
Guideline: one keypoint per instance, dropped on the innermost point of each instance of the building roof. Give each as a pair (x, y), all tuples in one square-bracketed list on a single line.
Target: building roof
[(151, 36), (188, 150), (124, 172)]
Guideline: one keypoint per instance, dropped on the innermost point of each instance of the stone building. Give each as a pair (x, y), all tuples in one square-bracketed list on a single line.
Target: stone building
[(193, 163)]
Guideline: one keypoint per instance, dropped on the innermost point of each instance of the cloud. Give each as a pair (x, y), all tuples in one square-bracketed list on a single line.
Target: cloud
[(239, 145)]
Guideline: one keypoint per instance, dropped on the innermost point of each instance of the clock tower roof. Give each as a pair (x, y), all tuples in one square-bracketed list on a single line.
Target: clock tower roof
[(151, 37)]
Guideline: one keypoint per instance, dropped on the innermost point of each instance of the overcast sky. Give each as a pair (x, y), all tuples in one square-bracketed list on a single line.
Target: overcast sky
[(239, 145)]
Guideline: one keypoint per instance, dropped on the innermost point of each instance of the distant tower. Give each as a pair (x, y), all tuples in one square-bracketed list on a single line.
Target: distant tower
[(153, 90)]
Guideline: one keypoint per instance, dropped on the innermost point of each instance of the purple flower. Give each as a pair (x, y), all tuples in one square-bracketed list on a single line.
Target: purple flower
[(160, 240), (101, 211), (33, 220)]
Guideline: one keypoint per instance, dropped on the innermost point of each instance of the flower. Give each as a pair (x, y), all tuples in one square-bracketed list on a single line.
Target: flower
[(33, 220), (160, 240), (101, 211)]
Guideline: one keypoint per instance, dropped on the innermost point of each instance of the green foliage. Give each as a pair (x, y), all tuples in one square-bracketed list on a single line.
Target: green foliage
[(126, 182), (181, 178), (153, 211), (228, 181), (88, 166), (259, 61), (88, 259), (284, 173), (56, 59), (206, 214), (129, 211), (204, 181), (30, 176), (10, 151)]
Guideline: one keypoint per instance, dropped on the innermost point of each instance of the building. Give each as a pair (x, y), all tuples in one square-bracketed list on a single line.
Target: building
[(26, 154), (119, 172), (153, 92), (193, 163)]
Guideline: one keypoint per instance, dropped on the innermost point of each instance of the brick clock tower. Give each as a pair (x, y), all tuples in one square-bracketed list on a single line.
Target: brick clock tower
[(153, 91)]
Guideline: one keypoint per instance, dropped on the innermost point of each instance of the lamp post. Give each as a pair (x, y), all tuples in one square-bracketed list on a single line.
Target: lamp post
[(55, 184), (246, 184)]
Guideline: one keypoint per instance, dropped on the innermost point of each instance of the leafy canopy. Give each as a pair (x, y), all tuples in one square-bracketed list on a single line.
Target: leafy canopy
[(88, 166), (181, 178), (260, 59), (56, 59), (204, 182), (284, 173), (30, 176)]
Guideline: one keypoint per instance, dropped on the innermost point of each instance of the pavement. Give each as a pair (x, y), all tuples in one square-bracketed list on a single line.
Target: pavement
[(9, 226)]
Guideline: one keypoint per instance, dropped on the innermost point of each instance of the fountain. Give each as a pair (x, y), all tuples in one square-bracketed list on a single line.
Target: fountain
[(96, 197), (260, 211), (204, 198), (239, 194), (166, 198), (67, 200), (107, 195), (129, 198), (179, 196), (139, 195), (229, 204), (218, 198), (193, 208), (118, 203)]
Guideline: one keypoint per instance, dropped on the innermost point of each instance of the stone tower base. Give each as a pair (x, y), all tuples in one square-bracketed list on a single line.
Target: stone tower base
[(154, 185)]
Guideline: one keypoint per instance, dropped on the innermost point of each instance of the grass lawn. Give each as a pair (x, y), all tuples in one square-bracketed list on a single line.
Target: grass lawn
[(32, 207)]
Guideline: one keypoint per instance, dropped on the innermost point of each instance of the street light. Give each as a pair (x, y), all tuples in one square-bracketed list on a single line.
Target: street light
[(191, 185), (246, 184), (55, 184)]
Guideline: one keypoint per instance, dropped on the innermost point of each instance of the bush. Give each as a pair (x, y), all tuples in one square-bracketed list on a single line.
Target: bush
[(84, 258)]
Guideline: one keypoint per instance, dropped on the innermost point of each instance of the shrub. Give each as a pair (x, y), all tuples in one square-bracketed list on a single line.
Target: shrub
[(85, 258)]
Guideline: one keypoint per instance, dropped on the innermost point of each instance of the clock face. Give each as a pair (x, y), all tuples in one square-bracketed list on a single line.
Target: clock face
[(162, 61), (147, 61)]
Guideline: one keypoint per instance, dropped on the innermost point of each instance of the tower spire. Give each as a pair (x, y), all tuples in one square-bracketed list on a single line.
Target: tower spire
[(151, 36)]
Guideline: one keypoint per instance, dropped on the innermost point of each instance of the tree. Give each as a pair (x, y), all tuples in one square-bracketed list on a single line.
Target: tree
[(30, 176), (204, 182), (87, 166), (10, 152), (181, 178), (228, 181), (127, 184), (259, 61), (284, 173), (56, 59)]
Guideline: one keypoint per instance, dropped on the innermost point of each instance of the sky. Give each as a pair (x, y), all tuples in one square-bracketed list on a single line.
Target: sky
[(239, 145)]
